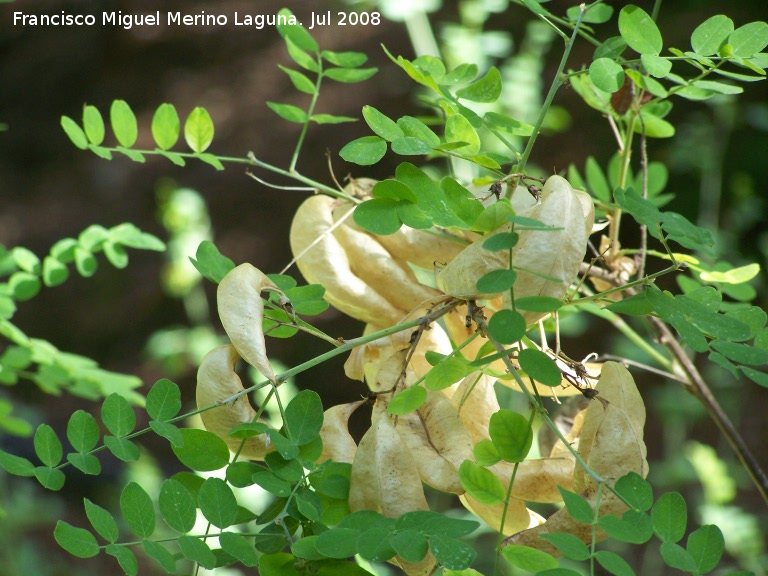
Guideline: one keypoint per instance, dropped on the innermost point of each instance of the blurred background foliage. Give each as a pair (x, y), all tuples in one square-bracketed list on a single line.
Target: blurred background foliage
[(155, 319)]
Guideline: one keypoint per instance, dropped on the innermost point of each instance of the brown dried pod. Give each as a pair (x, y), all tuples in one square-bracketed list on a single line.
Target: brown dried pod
[(241, 310), (338, 444), (216, 382)]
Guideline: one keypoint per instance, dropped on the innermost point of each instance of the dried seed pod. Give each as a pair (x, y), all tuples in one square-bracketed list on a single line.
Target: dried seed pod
[(553, 253), (518, 517), (323, 260), (611, 442), (438, 440), (338, 444), (384, 474), (241, 310), (216, 382)]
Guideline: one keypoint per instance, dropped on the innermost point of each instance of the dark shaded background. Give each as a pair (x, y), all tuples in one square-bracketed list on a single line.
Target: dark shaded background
[(49, 189)]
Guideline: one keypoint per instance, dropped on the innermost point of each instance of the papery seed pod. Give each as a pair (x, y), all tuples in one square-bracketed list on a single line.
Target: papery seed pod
[(384, 474), (338, 444), (611, 443), (554, 253), (323, 260), (216, 382), (438, 441), (370, 261), (517, 517), (241, 310), (363, 362)]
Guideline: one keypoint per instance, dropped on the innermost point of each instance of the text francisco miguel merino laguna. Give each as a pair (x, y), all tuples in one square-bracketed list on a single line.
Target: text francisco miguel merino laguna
[(128, 21)]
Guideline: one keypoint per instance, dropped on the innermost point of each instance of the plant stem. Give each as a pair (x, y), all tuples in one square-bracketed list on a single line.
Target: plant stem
[(310, 111), (700, 389), (556, 83)]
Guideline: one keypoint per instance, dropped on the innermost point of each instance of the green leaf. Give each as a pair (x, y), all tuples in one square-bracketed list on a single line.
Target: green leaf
[(705, 546), (538, 303), (48, 446), (331, 119), (528, 558), (116, 254), (381, 124), (129, 235), (487, 89), (299, 80), (296, 33), (633, 527), (711, 34), (289, 470), (511, 434), (501, 241), (23, 286), (614, 563), (93, 124), (198, 130), (373, 545), (606, 74), (16, 465), (350, 75), (272, 483), (639, 30), (578, 507), (166, 126), (202, 451), (125, 557), (596, 14), (163, 400), (670, 517), (409, 146), (77, 541), (345, 59), (49, 478), (481, 483), (304, 417), (446, 373), (197, 551), (301, 57), (217, 502), (459, 130), (569, 545), (364, 151), (210, 262), (507, 124), (159, 553), (117, 415), (74, 132), (378, 215), (756, 376), (496, 281), (749, 39), (337, 543), (407, 401), (507, 326), (101, 520), (123, 123), (452, 554), (656, 66), (411, 545), (240, 548), (741, 353), (132, 154), (677, 557), (636, 491), (415, 128), (540, 367), (485, 453), (82, 431), (210, 159), (137, 509), (177, 506), (122, 448), (54, 272), (86, 463)]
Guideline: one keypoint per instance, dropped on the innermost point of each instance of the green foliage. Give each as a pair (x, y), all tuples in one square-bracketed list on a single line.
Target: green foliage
[(307, 512)]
